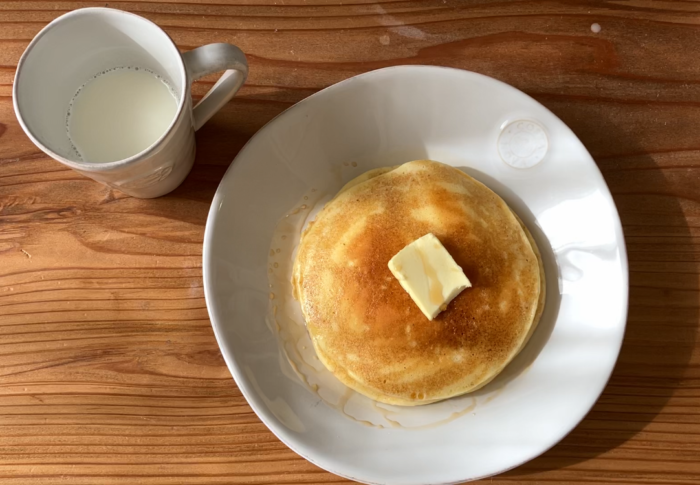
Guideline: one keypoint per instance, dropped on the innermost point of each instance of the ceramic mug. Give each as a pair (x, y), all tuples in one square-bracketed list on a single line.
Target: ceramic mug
[(76, 46)]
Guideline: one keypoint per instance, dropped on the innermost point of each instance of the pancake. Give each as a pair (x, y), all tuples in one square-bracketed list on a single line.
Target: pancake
[(365, 327)]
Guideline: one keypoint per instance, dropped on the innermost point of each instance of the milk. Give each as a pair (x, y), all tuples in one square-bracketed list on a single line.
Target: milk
[(119, 113)]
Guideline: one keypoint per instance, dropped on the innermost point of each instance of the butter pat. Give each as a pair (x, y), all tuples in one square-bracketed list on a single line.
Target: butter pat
[(429, 274)]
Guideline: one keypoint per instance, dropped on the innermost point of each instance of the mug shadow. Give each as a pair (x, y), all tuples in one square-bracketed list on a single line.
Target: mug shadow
[(220, 140), (639, 388)]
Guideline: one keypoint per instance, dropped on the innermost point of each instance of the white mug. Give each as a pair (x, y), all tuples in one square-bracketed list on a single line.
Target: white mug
[(78, 45)]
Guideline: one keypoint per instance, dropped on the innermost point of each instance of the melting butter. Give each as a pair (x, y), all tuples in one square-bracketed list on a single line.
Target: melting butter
[(429, 274)]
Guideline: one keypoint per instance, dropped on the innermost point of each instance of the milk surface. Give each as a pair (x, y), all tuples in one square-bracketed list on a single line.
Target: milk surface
[(119, 113)]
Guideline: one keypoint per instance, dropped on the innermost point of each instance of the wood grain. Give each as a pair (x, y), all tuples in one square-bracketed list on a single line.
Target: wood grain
[(109, 371)]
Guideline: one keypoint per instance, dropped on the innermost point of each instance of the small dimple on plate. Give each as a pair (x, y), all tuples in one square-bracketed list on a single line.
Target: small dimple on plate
[(522, 144)]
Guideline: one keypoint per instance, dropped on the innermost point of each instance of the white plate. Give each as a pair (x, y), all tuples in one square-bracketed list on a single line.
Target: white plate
[(387, 117)]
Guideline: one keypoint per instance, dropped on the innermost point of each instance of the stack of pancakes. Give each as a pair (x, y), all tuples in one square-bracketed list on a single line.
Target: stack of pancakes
[(364, 326)]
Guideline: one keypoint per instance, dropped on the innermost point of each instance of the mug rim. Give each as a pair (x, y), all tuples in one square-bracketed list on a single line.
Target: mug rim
[(106, 166)]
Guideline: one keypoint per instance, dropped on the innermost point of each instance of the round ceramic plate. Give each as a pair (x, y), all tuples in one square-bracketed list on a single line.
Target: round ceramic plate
[(494, 133)]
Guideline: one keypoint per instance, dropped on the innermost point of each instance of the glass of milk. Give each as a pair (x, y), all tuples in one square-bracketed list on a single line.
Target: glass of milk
[(107, 93)]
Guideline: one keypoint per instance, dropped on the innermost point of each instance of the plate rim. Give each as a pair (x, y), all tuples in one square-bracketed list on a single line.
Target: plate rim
[(236, 371)]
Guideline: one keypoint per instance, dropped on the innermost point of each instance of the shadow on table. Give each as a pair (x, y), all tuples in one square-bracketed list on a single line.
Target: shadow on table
[(644, 379), (222, 137)]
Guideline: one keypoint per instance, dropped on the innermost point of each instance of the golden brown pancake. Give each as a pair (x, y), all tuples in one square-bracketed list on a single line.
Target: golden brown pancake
[(364, 326)]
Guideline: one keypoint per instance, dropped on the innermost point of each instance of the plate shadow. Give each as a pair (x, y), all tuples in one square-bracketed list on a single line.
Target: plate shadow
[(662, 324)]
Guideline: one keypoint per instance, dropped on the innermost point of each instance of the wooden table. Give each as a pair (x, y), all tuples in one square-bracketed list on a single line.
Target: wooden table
[(109, 371)]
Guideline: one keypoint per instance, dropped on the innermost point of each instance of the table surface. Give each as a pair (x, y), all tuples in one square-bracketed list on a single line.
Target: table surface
[(109, 371)]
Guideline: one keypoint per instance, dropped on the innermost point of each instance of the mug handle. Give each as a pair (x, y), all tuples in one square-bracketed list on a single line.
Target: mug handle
[(209, 59)]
